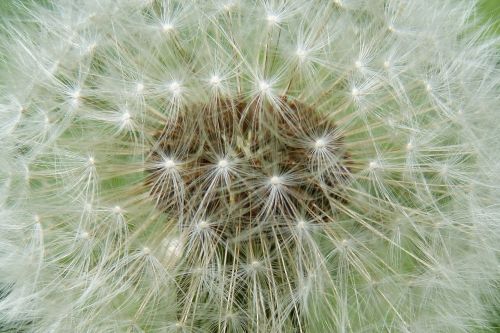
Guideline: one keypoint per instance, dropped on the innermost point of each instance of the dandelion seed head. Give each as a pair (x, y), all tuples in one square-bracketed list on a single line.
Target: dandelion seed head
[(212, 187), (277, 160)]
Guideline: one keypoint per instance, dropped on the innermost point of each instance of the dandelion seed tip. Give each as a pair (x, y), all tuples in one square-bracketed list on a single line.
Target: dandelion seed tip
[(76, 94), (117, 210), (174, 87), (37, 218), (391, 28), (387, 64), (444, 170), (223, 163), (202, 225), (146, 250), (167, 27), (126, 116), (355, 92), (91, 160), (301, 224), (373, 165), (264, 86), (409, 146), (255, 263), (358, 64), (301, 53), (139, 87), (215, 80), (275, 180), (427, 85), (319, 143), (272, 18), (84, 235), (169, 163)]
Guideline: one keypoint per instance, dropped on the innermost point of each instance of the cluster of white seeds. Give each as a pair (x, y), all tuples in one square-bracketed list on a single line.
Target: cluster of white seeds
[(247, 166)]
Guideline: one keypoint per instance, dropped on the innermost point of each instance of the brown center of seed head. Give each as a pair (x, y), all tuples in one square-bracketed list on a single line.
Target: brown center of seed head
[(237, 165)]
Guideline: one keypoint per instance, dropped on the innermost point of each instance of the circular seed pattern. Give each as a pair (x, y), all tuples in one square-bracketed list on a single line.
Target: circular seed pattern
[(249, 162)]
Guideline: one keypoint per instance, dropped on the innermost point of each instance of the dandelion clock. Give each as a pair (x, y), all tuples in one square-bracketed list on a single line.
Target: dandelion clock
[(248, 166)]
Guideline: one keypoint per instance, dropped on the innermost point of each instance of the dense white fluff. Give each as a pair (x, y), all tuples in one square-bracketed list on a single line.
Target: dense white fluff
[(248, 166)]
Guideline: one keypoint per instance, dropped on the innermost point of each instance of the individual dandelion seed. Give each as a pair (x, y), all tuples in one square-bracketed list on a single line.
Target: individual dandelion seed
[(247, 166)]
